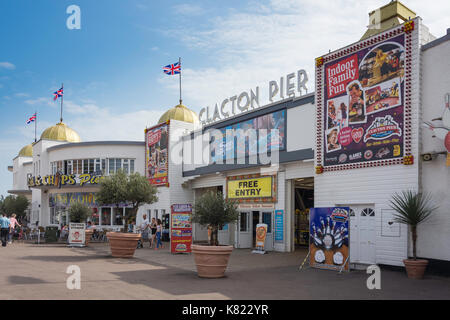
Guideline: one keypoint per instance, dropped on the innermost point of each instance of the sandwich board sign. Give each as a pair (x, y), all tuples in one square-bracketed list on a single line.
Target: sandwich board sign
[(77, 234)]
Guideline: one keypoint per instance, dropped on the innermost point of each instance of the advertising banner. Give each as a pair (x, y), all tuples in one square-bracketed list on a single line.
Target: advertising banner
[(261, 233), (77, 233), (181, 228), (279, 226), (156, 154), (329, 238), (363, 104), (250, 188)]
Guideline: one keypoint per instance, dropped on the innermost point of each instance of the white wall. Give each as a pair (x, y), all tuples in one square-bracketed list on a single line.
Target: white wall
[(434, 236)]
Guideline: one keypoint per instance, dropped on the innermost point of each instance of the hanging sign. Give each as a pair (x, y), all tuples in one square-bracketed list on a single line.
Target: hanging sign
[(77, 234), (156, 154), (181, 237), (328, 238)]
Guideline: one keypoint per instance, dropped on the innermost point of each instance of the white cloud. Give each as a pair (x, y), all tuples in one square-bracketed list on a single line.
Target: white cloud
[(7, 65), (265, 42), (21, 95), (188, 9), (48, 101)]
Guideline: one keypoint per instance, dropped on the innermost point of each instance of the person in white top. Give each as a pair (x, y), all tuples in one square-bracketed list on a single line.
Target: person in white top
[(144, 229)]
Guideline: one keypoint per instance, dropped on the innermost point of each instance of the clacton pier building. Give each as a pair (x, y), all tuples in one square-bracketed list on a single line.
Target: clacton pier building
[(377, 123)]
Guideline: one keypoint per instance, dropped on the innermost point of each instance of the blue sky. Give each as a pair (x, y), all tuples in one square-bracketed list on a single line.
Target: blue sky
[(112, 67)]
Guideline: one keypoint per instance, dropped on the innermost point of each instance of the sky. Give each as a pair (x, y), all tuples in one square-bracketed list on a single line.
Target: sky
[(111, 67)]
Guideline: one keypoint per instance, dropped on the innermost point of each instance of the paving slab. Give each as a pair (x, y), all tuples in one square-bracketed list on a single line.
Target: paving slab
[(31, 271)]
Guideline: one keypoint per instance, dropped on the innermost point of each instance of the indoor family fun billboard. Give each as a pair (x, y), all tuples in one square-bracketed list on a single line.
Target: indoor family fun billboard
[(328, 238), (156, 154), (363, 104)]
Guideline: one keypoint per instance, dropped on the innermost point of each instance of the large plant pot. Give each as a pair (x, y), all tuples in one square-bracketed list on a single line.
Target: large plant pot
[(123, 245), (415, 268), (211, 261), (87, 236)]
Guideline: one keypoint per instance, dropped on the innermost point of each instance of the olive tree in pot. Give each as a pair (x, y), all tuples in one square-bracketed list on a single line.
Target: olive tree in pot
[(413, 208), (78, 213), (214, 211), (133, 190)]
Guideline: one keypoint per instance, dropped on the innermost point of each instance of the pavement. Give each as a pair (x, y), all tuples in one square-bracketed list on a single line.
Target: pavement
[(31, 271)]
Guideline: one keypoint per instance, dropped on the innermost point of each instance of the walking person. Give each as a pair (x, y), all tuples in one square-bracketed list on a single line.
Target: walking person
[(153, 228), (144, 228), (4, 224), (158, 234), (13, 222)]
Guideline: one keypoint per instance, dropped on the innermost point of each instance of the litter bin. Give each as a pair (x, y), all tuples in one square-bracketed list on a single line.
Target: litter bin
[(51, 234)]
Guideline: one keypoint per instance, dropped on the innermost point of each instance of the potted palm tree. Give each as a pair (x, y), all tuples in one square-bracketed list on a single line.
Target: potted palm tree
[(214, 211), (78, 213), (413, 208), (133, 190)]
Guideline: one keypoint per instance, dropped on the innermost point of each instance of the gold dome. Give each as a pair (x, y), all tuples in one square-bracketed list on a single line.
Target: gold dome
[(26, 151), (60, 132), (180, 113)]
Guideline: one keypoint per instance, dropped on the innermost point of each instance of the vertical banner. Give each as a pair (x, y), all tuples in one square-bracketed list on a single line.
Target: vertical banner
[(328, 238), (77, 234), (279, 226), (157, 154), (181, 226)]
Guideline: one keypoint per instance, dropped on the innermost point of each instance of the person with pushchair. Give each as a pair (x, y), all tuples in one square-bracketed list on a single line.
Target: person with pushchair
[(144, 228)]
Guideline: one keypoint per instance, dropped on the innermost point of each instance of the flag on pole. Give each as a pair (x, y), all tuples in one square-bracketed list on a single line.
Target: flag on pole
[(172, 69), (32, 118), (58, 94)]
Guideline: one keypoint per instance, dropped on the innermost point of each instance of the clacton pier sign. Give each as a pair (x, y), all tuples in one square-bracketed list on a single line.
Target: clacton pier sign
[(287, 87)]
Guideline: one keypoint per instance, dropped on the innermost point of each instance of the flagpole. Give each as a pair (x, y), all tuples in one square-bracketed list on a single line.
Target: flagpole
[(179, 63), (35, 126), (62, 99)]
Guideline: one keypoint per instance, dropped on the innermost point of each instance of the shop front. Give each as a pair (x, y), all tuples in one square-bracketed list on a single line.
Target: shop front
[(256, 196), (111, 216)]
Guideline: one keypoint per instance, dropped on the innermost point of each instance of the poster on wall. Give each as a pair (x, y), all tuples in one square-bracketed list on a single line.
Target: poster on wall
[(181, 228), (329, 238), (235, 142), (279, 226), (363, 104), (156, 154)]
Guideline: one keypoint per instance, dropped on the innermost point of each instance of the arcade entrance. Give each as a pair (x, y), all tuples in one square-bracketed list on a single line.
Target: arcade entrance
[(304, 200)]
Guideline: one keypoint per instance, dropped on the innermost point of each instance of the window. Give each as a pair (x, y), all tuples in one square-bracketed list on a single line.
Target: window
[(156, 214), (106, 217), (112, 168), (97, 166), (367, 212), (103, 166), (126, 166), (131, 166), (243, 222), (267, 219), (95, 217), (118, 216), (85, 166), (91, 166), (69, 167)]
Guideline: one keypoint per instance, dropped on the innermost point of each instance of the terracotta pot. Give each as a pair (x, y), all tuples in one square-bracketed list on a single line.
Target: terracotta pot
[(211, 261), (88, 235), (415, 268), (123, 245)]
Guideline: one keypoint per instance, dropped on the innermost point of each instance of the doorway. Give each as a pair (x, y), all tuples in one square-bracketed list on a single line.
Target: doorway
[(362, 233), (248, 221), (303, 201)]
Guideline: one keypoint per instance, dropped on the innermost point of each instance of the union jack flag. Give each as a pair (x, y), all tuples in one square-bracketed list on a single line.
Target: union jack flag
[(58, 94), (32, 118), (172, 69)]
